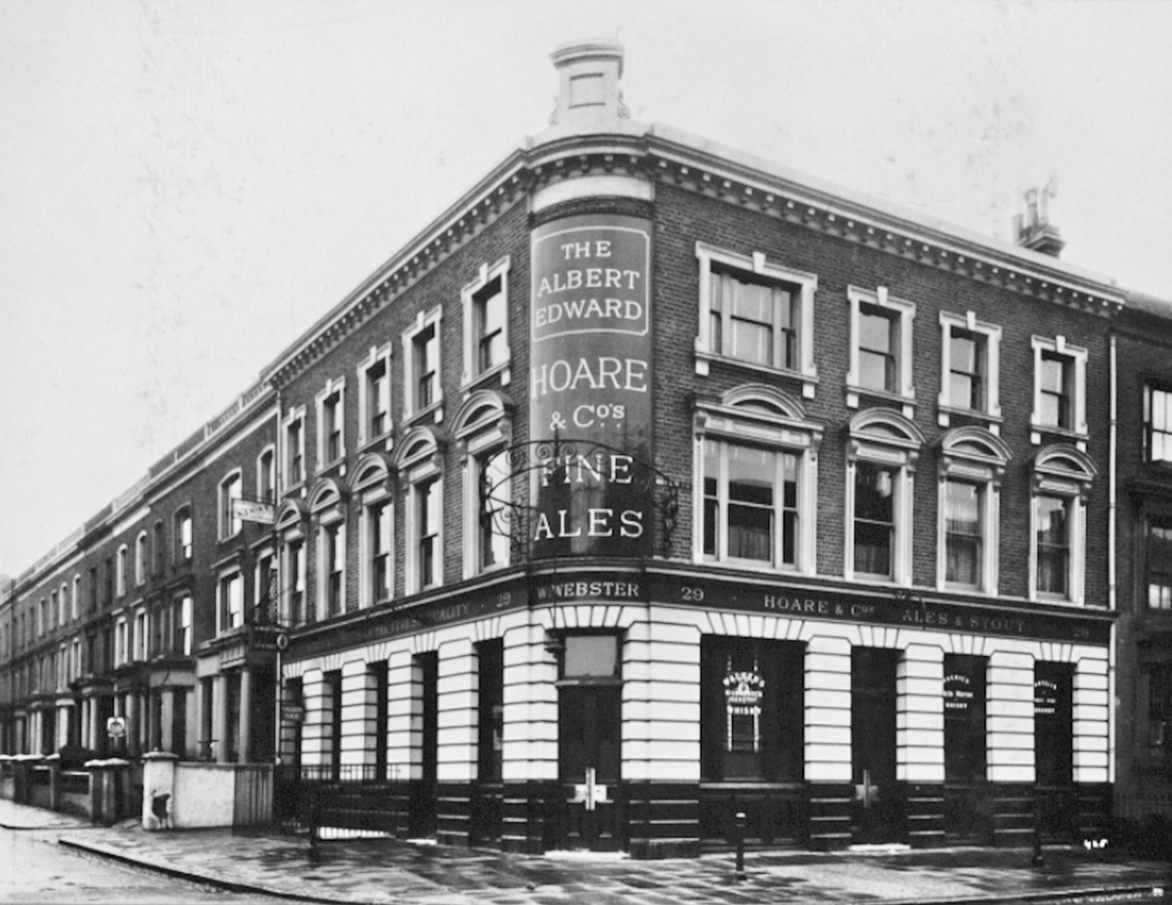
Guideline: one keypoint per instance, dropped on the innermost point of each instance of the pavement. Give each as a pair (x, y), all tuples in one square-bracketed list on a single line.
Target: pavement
[(386, 871)]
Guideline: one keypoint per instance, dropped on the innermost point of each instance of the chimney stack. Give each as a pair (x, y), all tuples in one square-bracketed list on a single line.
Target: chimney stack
[(589, 99), (1034, 231)]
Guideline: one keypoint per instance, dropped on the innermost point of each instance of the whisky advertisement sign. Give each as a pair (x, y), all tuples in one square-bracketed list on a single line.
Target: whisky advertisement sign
[(590, 386)]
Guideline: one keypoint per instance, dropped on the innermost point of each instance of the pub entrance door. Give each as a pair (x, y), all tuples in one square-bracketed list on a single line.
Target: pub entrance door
[(1057, 799), (423, 791), (877, 808), (968, 806), (590, 742)]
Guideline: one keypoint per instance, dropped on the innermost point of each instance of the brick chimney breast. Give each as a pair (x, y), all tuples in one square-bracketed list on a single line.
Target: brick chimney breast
[(588, 99)]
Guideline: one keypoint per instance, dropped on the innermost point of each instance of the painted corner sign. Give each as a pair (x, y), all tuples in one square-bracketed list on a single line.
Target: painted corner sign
[(590, 385)]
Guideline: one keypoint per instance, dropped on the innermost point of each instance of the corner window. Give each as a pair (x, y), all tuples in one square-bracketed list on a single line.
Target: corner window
[(757, 467), (882, 452), (1157, 424), (1062, 482), (374, 395), (183, 536), (969, 362), (294, 453), (421, 364), (486, 324), (330, 437), (972, 464), (881, 348), (1158, 562), (231, 490), (1059, 390), (755, 313)]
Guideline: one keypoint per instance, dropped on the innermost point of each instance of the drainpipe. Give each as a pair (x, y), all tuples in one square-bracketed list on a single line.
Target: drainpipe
[(1112, 599), (278, 556)]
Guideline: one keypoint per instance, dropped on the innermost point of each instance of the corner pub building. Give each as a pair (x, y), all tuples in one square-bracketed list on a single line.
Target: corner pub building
[(654, 482)]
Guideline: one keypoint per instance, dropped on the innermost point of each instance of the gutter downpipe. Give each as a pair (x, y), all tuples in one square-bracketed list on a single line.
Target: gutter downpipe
[(1112, 597)]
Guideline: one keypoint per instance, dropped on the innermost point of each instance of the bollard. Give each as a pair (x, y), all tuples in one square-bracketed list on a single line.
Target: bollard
[(314, 854), (740, 840)]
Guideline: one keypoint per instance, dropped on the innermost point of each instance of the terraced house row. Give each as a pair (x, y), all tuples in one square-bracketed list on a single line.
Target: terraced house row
[(654, 482)]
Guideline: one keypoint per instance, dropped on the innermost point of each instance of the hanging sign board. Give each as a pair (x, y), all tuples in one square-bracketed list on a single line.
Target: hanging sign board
[(253, 511)]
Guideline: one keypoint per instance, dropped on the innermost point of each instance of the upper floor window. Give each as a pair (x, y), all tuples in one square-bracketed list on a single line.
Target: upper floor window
[(140, 558), (1061, 483), (121, 642), (327, 506), (141, 633), (881, 348), (332, 560), (231, 490), (266, 476), (184, 637), (486, 323), (374, 395), (1157, 424), (183, 535), (972, 463), (969, 364), (330, 437), (230, 601), (63, 604), (294, 440), (882, 453), (1059, 390), (1158, 562), (75, 598), (122, 558), (421, 364), (757, 468), (264, 590), (159, 548), (756, 313), (420, 464), (52, 611), (484, 430), (376, 539)]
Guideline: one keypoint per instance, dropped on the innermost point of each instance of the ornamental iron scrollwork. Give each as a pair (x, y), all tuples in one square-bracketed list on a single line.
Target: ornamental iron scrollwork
[(506, 503)]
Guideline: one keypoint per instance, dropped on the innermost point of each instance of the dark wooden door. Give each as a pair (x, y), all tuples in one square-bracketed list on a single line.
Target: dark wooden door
[(589, 757), (877, 809), (423, 793)]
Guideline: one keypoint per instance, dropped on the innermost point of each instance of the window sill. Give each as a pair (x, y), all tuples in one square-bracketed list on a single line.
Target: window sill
[(945, 413), (906, 401), (1038, 432), (384, 442), (436, 409), (809, 380), (478, 380)]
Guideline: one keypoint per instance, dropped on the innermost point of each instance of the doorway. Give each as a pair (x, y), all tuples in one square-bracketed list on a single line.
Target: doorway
[(423, 793), (877, 808), (590, 741)]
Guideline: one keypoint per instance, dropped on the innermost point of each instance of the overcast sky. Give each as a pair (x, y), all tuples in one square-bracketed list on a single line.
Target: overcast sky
[(187, 186)]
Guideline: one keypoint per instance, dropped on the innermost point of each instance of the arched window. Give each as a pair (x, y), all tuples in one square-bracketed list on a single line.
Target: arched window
[(972, 464), (1062, 481), (420, 468), (756, 480), (882, 451), (484, 431)]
